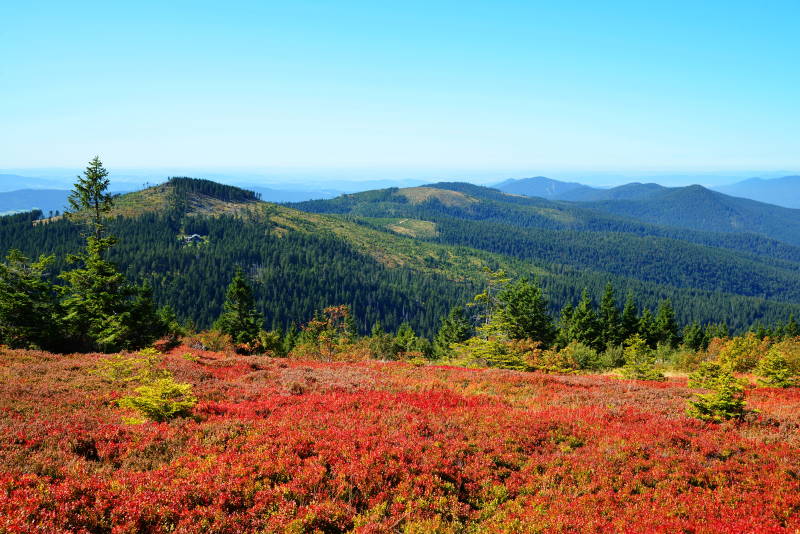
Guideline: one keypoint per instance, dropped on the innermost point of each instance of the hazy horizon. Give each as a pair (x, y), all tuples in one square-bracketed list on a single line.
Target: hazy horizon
[(345, 179)]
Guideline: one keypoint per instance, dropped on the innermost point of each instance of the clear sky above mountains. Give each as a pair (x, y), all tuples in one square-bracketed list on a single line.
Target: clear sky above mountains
[(505, 87)]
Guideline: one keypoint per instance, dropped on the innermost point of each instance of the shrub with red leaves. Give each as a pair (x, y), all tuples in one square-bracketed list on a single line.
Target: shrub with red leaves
[(280, 445)]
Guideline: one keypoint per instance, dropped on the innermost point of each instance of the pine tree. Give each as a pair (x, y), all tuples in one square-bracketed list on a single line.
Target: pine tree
[(694, 337), (775, 371), (666, 329), (564, 336), (143, 322), (455, 328), (640, 361), (488, 298), (240, 319), (609, 317), (289, 339), (28, 305), (725, 399), (89, 197), (584, 324), (630, 318), (522, 313), (102, 311), (95, 300), (790, 329), (381, 343), (647, 328)]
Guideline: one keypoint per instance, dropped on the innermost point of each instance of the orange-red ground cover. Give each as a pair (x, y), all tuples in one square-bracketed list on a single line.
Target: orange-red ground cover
[(277, 445)]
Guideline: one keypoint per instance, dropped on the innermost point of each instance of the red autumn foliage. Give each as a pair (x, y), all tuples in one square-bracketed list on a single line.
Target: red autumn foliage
[(280, 445)]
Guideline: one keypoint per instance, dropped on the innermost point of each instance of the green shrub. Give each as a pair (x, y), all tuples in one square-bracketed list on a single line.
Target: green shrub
[(161, 400), (689, 360), (613, 357), (585, 356), (271, 342), (212, 340), (742, 353), (726, 397), (123, 368), (640, 361), (774, 371)]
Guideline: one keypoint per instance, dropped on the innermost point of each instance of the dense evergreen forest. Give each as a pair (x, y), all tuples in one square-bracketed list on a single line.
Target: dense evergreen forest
[(700, 271), (296, 273)]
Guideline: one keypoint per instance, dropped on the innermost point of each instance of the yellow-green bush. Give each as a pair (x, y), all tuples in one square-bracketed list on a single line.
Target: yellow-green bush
[(774, 371), (161, 400), (742, 353), (126, 368), (725, 399), (640, 361)]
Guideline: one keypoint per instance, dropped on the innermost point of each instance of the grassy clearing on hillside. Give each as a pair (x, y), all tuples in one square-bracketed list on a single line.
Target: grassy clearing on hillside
[(417, 195), (278, 445)]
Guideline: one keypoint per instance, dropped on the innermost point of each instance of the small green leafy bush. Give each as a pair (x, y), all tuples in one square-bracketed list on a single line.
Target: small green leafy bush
[(726, 397), (126, 368), (161, 400), (640, 361), (775, 371)]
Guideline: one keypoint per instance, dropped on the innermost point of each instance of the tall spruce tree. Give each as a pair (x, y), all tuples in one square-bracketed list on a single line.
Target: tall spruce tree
[(239, 318), (647, 328), (564, 335), (584, 324), (666, 328), (609, 317), (455, 328), (522, 312), (694, 337), (629, 322), (89, 198), (102, 311), (28, 304)]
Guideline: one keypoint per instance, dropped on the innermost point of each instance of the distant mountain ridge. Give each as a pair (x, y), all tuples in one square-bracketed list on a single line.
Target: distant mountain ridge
[(46, 200), (784, 191), (540, 186), (779, 191), (693, 207)]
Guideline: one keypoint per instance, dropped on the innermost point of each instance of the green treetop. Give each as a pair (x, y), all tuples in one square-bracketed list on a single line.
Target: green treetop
[(455, 328), (89, 195), (666, 329), (609, 317), (522, 312), (630, 318), (240, 319)]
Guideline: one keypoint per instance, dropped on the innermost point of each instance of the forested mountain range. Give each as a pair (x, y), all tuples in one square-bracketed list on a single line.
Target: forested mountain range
[(783, 191), (568, 237), (543, 187), (693, 207), (409, 255)]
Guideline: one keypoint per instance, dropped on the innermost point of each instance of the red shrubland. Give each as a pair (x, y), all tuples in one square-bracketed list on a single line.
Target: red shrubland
[(285, 445)]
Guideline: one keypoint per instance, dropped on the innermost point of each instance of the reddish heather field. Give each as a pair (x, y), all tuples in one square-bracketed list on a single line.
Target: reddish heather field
[(285, 446)]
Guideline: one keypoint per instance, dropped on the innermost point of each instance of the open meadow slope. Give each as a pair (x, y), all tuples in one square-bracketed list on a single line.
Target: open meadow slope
[(278, 445)]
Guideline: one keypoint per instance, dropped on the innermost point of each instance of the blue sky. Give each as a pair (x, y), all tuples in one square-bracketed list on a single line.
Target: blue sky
[(402, 87)]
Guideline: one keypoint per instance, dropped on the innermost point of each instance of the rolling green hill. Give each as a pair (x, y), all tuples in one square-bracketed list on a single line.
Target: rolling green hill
[(693, 207), (567, 237), (400, 255), (697, 208)]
